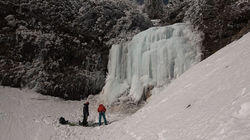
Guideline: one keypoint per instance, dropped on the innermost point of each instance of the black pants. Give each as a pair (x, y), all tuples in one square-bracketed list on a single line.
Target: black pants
[(85, 118)]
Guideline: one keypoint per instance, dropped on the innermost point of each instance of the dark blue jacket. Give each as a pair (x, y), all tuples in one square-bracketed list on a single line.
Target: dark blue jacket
[(86, 109)]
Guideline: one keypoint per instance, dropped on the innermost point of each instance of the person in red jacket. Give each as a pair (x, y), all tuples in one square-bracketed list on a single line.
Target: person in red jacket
[(101, 109)]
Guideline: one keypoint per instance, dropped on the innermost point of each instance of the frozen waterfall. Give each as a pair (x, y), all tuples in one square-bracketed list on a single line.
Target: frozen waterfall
[(152, 59)]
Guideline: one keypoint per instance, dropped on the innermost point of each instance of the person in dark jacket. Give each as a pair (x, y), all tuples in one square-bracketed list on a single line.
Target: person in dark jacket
[(85, 114), (101, 109)]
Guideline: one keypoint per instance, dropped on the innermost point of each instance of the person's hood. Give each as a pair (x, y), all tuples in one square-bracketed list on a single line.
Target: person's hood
[(87, 103)]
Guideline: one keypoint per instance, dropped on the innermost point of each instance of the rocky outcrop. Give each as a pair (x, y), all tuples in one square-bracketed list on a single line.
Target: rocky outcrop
[(60, 47), (220, 20)]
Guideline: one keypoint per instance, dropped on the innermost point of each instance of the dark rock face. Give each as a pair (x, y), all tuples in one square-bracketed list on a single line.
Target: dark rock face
[(220, 20), (60, 47)]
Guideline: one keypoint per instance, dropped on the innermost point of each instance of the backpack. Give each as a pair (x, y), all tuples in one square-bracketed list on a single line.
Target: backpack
[(63, 121)]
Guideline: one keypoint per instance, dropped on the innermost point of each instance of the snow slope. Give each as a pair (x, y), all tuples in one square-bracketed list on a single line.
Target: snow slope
[(210, 101)]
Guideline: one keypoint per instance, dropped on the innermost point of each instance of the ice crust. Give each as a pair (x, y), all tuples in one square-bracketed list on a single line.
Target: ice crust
[(153, 58)]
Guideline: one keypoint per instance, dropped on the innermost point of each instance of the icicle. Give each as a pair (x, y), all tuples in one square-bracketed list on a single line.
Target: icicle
[(153, 58)]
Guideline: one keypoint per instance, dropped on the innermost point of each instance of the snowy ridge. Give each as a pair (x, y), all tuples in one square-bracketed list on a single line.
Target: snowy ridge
[(152, 59)]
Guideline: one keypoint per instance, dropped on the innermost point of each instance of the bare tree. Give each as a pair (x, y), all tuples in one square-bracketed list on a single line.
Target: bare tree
[(154, 8)]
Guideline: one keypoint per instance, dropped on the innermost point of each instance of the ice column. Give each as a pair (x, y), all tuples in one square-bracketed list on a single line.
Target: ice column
[(153, 58)]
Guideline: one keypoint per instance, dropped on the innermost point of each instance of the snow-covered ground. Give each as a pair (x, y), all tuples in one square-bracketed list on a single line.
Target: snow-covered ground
[(26, 115), (210, 101)]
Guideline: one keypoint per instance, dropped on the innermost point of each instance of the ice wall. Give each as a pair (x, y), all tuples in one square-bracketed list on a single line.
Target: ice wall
[(152, 59)]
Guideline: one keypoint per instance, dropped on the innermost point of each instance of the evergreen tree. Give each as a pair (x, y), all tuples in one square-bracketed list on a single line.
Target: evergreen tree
[(154, 8)]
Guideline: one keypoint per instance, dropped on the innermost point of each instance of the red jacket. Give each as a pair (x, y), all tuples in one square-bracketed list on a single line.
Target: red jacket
[(101, 108)]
